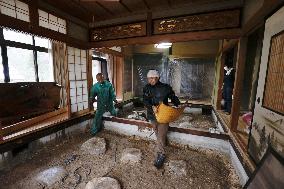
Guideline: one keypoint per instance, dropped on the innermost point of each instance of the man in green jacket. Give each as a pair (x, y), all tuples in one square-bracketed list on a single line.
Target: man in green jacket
[(105, 94)]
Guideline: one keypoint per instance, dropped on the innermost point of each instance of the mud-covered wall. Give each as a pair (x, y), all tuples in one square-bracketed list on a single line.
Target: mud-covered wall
[(193, 77), (144, 62), (188, 67)]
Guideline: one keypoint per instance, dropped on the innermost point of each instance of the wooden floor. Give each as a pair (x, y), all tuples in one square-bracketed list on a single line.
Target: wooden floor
[(241, 133)]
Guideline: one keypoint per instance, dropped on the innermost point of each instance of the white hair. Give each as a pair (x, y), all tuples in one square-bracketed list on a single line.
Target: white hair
[(153, 73)]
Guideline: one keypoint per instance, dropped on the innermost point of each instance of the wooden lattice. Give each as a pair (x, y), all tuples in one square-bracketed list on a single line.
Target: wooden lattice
[(118, 32), (274, 86), (198, 22)]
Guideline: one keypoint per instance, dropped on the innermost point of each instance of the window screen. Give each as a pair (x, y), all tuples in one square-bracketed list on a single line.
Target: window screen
[(274, 90), (77, 65), (15, 9), (51, 22)]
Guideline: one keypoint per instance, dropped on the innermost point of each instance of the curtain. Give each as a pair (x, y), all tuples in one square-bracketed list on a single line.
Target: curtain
[(60, 70), (110, 68)]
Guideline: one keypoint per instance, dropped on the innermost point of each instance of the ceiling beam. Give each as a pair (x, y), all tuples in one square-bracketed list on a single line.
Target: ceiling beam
[(146, 4), (169, 3), (178, 37), (259, 17), (125, 6), (80, 6), (103, 7)]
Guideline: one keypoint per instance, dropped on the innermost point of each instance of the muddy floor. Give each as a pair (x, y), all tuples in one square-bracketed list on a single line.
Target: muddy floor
[(205, 168), (186, 120), (197, 121)]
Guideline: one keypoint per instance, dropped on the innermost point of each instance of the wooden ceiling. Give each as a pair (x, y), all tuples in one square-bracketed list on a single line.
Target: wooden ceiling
[(102, 10)]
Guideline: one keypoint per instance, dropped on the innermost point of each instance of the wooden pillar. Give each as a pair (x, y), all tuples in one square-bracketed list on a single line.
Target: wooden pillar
[(238, 85), (4, 58), (89, 76), (34, 17), (220, 83)]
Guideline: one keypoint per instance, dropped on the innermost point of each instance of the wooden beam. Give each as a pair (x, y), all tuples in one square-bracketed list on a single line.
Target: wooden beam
[(125, 6), (238, 85), (178, 37), (33, 10), (110, 51), (229, 45), (146, 4), (220, 83), (259, 17), (143, 124), (169, 3), (84, 16), (103, 7), (89, 76), (23, 45), (189, 55), (20, 25), (199, 133), (4, 58), (78, 3)]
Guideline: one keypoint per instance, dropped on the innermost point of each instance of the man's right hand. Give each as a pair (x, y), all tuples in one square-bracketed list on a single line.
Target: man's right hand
[(155, 109)]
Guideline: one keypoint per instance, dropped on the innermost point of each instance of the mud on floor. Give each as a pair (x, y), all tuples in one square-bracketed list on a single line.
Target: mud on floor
[(205, 168), (197, 121)]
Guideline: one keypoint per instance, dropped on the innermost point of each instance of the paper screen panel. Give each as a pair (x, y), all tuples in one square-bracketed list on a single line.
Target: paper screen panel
[(274, 86)]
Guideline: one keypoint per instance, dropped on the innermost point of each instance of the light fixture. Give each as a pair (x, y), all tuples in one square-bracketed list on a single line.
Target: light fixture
[(163, 45)]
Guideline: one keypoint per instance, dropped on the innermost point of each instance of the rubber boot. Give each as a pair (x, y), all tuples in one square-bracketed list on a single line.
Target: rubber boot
[(160, 161)]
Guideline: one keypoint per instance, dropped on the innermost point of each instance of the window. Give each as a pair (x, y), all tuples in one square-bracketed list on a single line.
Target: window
[(29, 57), (42, 42), (96, 68), (45, 67), (17, 36), (15, 9), (21, 65), (51, 22)]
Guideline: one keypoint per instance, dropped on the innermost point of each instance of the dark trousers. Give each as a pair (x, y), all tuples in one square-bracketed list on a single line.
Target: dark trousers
[(161, 131), (228, 91)]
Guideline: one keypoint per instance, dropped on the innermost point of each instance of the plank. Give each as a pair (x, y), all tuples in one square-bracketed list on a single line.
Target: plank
[(28, 123)]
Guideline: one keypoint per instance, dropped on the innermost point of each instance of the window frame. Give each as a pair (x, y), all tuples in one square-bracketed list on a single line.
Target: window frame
[(7, 43)]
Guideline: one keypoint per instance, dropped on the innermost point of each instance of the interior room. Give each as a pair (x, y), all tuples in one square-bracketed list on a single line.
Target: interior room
[(141, 94)]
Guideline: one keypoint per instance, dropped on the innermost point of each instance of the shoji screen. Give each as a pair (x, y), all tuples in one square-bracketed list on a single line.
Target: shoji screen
[(52, 22), (77, 65), (16, 9)]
